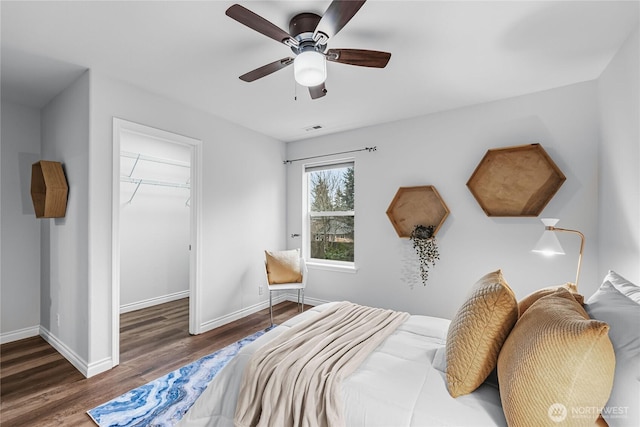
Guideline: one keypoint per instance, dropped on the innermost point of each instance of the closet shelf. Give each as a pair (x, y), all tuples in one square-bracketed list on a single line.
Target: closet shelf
[(142, 181), (138, 157), (145, 157)]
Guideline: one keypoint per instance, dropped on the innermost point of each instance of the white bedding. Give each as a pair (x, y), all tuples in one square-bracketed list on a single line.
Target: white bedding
[(402, 383)]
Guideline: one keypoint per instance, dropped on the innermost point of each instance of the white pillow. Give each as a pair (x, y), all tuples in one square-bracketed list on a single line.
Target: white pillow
[(624, 286), (617, 302)]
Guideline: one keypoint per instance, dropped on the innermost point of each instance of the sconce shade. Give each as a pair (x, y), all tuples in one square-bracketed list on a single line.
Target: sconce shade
[(310, 68), (548, 244)]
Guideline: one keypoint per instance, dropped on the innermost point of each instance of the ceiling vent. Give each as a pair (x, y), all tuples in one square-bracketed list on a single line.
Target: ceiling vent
[(312, 128)]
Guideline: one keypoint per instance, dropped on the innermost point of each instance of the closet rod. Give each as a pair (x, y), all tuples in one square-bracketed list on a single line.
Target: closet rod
[(139, 181), (153, 182)]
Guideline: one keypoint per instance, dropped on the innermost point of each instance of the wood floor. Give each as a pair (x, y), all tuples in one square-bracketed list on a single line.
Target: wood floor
[(38, 387)]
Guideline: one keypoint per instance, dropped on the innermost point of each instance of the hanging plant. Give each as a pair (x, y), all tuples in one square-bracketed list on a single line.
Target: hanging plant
[(424, 242)]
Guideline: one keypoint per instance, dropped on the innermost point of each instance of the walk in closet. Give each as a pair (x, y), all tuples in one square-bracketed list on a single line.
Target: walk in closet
[(154, 221)]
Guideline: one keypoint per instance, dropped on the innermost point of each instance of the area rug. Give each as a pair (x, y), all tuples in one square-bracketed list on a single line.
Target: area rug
[(164, 401)]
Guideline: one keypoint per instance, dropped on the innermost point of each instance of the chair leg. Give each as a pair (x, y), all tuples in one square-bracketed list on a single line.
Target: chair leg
[(302, 300), (271, 308)]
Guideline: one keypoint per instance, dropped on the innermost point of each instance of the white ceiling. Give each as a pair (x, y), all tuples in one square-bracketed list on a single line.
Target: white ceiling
[(445, 55)]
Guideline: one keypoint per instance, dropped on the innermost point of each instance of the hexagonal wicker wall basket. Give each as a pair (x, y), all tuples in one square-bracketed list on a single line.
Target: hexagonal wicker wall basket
[(413, 206), (515, 181), (49, 189)]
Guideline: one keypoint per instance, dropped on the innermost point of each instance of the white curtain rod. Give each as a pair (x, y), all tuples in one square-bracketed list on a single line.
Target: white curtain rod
[(369, 149)]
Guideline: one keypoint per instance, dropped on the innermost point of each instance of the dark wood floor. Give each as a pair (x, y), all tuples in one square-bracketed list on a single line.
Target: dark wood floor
[(38, 387)]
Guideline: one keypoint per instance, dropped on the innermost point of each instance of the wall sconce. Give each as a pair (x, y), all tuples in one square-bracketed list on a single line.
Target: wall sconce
[(549, 244)]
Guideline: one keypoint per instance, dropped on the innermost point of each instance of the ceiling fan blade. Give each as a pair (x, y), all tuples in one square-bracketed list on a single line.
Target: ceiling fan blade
[(317, 91), (257, 23), (337, 15), (265, 70), (360, 57)]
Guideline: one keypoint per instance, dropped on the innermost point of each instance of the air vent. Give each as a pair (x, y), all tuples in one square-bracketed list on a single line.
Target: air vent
[(312, 128)]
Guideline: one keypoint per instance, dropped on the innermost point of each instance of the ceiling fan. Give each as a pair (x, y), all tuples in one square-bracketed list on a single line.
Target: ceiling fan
[(308, 37)]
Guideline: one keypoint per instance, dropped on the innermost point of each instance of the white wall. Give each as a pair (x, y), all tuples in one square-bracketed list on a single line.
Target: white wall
[(619, 163), (64, 314), (20, 270), (243, 203), (154, 224), (443, 150)]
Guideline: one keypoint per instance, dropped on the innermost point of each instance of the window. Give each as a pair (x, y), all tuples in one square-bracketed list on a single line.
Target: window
[(329, 233)]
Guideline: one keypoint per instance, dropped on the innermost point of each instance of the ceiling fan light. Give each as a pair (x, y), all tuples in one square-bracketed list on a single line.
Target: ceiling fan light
[(310, 68)]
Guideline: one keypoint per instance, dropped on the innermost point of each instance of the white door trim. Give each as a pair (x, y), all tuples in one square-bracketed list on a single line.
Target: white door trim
[(120, 125)]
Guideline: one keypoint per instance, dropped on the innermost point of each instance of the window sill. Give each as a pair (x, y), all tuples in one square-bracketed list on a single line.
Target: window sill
[(352, 269)]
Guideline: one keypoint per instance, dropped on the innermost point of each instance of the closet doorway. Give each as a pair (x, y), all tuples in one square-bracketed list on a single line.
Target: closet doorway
[(155, 222)]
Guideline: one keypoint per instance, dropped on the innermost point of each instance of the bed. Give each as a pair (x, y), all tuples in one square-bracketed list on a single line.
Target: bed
[(404, 381)]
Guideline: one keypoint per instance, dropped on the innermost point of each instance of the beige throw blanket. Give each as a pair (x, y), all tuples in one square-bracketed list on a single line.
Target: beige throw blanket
[(295, 379)]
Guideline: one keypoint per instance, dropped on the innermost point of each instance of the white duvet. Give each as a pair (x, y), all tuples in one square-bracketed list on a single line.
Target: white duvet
[(402, 383)]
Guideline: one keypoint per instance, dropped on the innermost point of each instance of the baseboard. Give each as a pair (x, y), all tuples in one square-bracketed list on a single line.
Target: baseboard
[(77, 361), (88, 370), (20, 334), (281, 297), (99, 367), (238, 314), (126, 308), (293, 296)]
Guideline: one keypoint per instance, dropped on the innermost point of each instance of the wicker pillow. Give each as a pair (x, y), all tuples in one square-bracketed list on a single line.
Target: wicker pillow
[(526, 302), (556, 365), (477, 333), (283, 266)]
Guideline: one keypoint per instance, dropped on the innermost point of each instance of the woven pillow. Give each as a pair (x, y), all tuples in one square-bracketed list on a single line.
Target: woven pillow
[(526, 302), (283, 266), (556, 365), (477, 333)]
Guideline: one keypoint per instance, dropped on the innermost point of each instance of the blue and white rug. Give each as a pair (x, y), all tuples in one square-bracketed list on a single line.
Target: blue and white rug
[(164, 401)]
